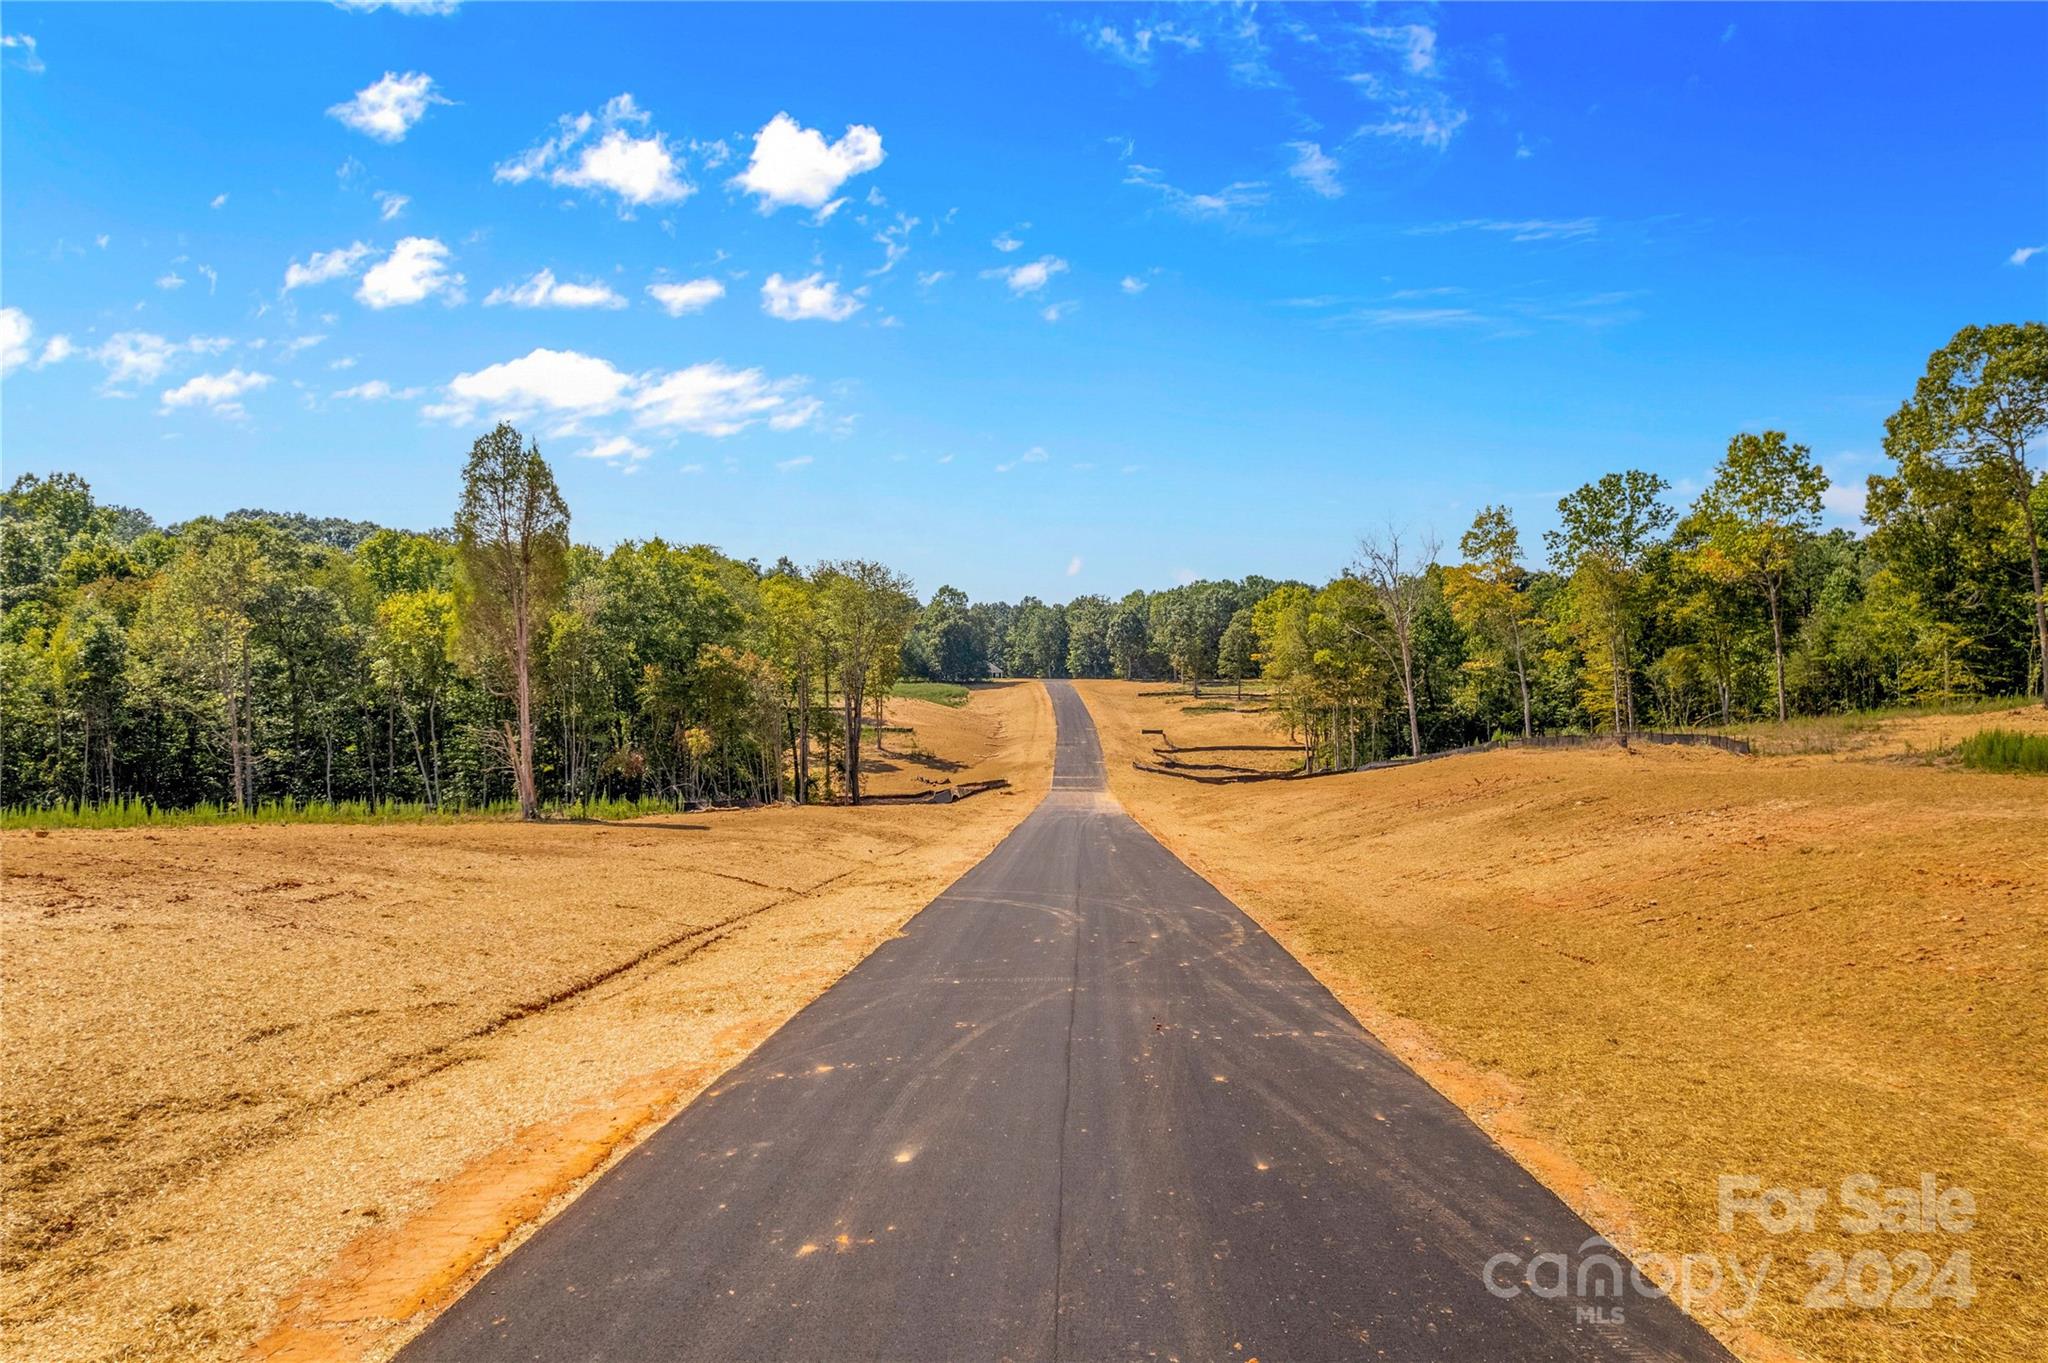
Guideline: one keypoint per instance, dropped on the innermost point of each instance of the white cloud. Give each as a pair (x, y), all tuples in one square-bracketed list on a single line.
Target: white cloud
[(1133, 285), (212, 276), (1316, 169), (387, 109), (141, 357), (710, 399), (16, 330), (402, 6), (390, 205), (616, 451), (170, 279), (1137, 49), (545, 291), (790, 465), (1416, 43), (550, 381), (793, 164), (219, 201), (56, 350), (23, 45), (705, 399), (895, 242), (1230, 199), (376, 390), (322, 266), (1007, 242), (1029, 277), (1518, 229), (1844, 500), (416, 269), (638, 170), (812, 297), (1035, 455), (218, 393), (690, 296), (2024, 254), (1074, 566), (1433, 125), (927, 278), (1056, 311)]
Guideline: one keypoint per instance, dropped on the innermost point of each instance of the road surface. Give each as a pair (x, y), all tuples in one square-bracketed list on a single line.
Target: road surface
[(1082, 1109)]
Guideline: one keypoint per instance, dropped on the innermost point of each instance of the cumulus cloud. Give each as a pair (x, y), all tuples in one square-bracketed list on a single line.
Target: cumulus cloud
[(219, 201), (794, 165), (619, 451), (390, 205), (169, 280), (545, 291), (140, 357), (1316, 168), (693, 295), (56, 350), (704, 399), (416, 269), (1056, 311), (1074, 566), (811, 298), (16, 330), (322, 266), (387, 109), (600, 154), (220, 394), (2024, 254), (1030, 277), (1007, 242), (1133, 285)]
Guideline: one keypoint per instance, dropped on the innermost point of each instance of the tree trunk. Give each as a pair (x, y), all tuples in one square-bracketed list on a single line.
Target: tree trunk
[(849, 702), (1777, 643), (1408, 688), (522, 757), (2040, 602), (1522, 675)]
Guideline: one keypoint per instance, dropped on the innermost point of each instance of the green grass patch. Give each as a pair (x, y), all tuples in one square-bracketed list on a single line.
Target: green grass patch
[(2006, 750), (1805, 734), (938, 693), (132, 813)]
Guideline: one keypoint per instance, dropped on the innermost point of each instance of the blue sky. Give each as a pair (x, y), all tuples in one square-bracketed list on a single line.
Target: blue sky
[(1023, 298)]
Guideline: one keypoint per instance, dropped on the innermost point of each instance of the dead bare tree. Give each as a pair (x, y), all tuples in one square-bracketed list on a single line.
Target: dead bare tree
[(1399, 587)]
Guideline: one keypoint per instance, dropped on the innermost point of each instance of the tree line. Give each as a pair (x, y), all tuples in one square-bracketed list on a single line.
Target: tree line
[(1735, 608), (262, 656)]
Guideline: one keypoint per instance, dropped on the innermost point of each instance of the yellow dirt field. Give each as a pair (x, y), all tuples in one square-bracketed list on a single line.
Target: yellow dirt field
[(1643, 970), (277, 1090)]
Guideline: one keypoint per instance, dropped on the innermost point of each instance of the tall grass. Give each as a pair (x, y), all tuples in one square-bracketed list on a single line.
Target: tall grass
[(1808, 734), (136, 813), (2006, 750), (939, 693)]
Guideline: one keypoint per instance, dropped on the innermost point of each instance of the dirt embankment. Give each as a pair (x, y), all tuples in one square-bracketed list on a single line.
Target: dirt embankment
[(294, 1083), (1643, 970)]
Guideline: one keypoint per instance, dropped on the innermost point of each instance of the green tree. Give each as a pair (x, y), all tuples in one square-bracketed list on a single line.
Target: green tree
[(1486, 596), (1983, 405), (866, 610), (1764, 501), (1236, 651), (512, 541), (1607, 530)]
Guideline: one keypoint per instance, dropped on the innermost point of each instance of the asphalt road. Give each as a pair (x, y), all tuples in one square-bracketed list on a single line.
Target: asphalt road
[(1083, 1109)]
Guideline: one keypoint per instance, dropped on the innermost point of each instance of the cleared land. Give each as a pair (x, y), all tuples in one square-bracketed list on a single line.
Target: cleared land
[(1642, 970), (295, 1083)]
